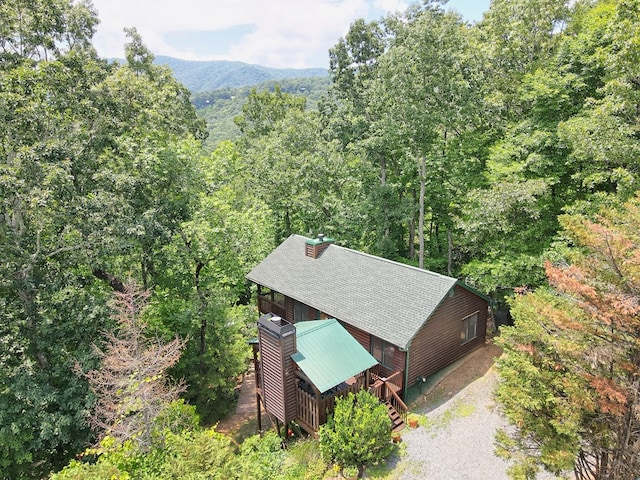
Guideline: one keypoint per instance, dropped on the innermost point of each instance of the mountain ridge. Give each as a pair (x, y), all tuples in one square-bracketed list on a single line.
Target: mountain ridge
[(202, 76)]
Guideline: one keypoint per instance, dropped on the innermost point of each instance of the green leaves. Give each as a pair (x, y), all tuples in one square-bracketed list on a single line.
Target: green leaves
[(570, 374), (358, 432), (94, 167), (263, 111)]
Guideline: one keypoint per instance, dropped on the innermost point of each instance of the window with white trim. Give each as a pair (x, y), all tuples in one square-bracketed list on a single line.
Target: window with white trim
[(469, 328)]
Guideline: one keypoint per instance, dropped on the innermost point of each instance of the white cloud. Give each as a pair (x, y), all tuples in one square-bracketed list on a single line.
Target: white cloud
[(285, 33), (391, 5)]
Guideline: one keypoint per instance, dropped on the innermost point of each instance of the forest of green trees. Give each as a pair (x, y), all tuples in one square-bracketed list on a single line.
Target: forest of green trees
[(479, 151), (220, 107)]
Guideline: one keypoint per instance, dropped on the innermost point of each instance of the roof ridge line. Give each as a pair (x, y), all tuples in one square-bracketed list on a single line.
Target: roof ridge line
[(321, 323), (375, 257)]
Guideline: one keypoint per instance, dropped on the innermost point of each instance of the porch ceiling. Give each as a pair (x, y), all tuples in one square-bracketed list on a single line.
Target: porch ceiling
[(327, 354)]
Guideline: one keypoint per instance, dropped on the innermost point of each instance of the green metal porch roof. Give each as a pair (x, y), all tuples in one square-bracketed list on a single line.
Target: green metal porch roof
[(327, 354)]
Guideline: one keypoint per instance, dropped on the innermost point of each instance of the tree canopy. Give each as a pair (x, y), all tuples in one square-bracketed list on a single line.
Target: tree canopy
[(472, 150), (570, 376)]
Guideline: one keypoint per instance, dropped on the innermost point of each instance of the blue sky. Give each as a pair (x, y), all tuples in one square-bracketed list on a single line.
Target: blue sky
[(273, 33)]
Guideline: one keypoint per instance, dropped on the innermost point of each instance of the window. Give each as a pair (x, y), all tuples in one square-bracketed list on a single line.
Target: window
[(382, 351), (469, 328), (278, 298), (302, 312)]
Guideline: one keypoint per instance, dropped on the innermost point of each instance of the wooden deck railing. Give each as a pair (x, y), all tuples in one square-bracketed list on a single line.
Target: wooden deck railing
[(386, 389), (400, 407), (313, 411), (266, 305)]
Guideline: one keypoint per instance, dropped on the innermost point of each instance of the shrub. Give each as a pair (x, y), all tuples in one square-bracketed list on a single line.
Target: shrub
[(261, 458), (204, 454), (110, 460), (303, 461), (350, 471), (84, 471), (189, 455), (358, 432)]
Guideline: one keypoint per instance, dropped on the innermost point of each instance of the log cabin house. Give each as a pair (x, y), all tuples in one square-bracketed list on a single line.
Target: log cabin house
[(407, 324)]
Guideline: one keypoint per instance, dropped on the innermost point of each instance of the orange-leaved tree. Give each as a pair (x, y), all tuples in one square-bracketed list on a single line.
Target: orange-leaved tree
[(570, 376)]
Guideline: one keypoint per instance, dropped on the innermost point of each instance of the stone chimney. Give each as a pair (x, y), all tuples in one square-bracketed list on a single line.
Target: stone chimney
[(315, 246)]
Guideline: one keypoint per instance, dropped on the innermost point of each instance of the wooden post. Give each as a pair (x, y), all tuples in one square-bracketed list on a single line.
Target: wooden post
[(278, 427), (259, 412), (258, 386)]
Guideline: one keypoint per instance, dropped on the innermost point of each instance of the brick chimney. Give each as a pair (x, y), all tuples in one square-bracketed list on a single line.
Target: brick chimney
[(315, 246)]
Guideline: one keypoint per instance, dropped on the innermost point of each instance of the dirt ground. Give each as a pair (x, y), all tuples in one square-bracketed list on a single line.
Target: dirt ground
[(474, 366)]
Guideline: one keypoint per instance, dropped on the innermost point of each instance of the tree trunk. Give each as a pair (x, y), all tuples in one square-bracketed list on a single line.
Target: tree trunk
[(203, 315), (287, 222), (114, 281), (383, 183), (449, 252), (422, 169), (412, 228)]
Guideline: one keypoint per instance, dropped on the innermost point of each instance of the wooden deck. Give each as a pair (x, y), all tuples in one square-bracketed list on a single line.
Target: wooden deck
[(314, 408)]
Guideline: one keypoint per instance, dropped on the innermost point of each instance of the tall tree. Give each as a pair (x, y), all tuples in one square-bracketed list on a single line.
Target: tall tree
[(295, 171), (353, 62), (427, 95), (93, 166), (131, 383), (570, 377), (603, 136), (347, 116), (49, 309), (519, 34), (538, 166), (204, 291), (44, 29), (263, 110)]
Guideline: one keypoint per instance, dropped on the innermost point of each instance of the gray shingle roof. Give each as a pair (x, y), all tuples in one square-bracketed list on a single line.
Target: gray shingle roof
[(387, 299)]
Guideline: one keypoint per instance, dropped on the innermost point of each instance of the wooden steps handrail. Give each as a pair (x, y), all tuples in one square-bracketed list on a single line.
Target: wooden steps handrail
[(399, 405), (387, 391)]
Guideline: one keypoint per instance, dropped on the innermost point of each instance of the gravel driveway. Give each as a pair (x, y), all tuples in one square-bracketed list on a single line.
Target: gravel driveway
[(457, 443)]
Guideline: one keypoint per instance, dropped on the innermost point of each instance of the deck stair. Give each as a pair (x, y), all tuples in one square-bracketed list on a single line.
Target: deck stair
[(387, 390), (397, 423)]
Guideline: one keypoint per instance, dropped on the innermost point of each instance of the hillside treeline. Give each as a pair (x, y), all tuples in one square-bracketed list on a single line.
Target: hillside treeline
[(220, 107), (445, 145), (204, 76)]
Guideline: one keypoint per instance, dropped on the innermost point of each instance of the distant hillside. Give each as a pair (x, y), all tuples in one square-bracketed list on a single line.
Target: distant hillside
[(213, 75), (219, 107)]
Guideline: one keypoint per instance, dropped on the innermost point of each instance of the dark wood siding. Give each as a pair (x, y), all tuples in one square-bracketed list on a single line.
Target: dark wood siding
[(398, 364), (289, 305), (291, 381), (307, 312), (364, 339), (438, 343), (399, 361), (361, 336), (278, 376)]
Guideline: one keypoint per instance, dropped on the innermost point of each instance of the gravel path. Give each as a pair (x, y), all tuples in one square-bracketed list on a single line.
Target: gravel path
[(457, 443)]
